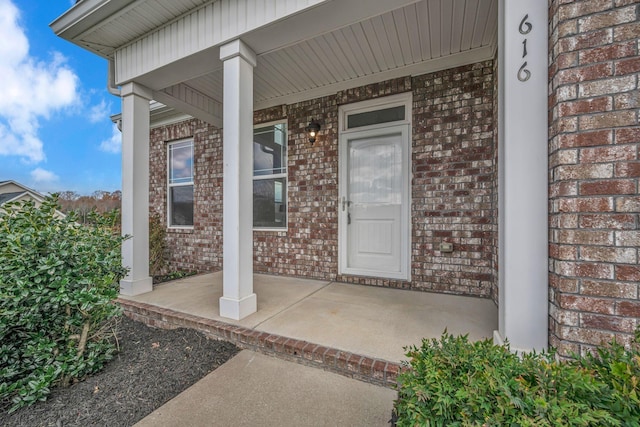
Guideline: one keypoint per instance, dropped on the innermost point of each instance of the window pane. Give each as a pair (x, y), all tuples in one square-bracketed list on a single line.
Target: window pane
[(386, 115), (181, 162), (270, 150), (181, 205), (269, 203)]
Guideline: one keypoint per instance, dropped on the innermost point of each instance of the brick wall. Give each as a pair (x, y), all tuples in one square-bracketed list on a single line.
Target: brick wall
[(593, 172), (200, 248), (453, 180), (453, 187)]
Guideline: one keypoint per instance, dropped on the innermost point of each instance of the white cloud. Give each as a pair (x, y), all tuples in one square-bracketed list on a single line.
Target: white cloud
[(41, 176), (99, 113), (32, 89), (113, 144)]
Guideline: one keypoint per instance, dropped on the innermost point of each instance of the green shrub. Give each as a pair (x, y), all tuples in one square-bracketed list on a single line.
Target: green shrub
[(619, 369), (454, 382), (58, 280)]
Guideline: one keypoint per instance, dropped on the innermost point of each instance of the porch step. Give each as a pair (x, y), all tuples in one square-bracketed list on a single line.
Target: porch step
[(352, 365)]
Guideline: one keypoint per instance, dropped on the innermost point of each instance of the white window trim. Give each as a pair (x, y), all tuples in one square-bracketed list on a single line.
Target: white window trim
[(170, 185), (405, 98), (285, 175)]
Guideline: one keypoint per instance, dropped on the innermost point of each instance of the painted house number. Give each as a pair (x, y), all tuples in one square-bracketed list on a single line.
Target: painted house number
[(525, 28)]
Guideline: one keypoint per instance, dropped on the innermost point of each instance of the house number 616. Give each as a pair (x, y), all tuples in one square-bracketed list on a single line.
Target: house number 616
[(525, 28)]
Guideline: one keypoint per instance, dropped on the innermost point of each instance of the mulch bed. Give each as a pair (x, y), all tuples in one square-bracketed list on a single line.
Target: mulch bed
[(153, 366)]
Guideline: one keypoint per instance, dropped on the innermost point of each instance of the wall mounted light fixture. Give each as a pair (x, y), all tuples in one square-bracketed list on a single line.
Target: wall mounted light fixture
[(312, 129)]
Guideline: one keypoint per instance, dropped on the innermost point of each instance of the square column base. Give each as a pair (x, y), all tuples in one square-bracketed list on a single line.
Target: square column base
[(497, 338), (136, 287), (237, 309)]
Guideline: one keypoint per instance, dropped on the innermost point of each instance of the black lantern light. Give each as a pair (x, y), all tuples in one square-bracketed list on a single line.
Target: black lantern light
[(312, 129)]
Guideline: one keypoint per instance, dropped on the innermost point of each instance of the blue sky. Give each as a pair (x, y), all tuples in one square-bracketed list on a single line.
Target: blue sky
[(55, 131)]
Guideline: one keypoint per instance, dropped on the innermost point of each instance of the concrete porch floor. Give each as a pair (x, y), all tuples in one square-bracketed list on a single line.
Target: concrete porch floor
[(370, 321)]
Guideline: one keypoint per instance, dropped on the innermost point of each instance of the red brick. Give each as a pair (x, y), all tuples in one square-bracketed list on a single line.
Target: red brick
[(584, 237), (627, 66), (584, 270), (353, 363), (585, 204), (573, 9), (583, 171), (563, 252), (629, 273), (563, 188), (366, 366), (608, 19), (628, 204), (608, 323), (608, 254), (330, 356), (609, 289), (612, 85), (626, 101), (607, 53), (626, 32), (628, 135), (342, 360), (608, 120), (588, 336), (628, 238), (585, 139), (581, 74), (586, 106), (563, 284), (567, 60), (584, 41), (628, 308), (379, 369), (628, 169), (606, 187), (612, 153)]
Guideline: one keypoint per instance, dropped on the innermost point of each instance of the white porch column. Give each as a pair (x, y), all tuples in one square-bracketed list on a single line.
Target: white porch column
[(135, 188), (523, 174), (238, 300)]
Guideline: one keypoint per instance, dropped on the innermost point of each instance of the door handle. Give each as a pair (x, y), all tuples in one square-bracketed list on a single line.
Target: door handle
[(345, 203)]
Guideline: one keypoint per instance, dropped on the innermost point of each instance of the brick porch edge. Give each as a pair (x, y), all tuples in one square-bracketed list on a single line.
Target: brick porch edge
[(363, 368)]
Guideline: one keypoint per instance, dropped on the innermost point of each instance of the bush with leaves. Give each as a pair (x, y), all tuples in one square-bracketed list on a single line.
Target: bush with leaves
[(58, 282), (454, 382)]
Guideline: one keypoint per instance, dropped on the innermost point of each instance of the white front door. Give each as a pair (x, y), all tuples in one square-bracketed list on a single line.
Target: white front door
[(374, 203)]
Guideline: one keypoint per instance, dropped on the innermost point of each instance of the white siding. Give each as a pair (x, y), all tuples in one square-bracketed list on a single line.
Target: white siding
[(202, 28)]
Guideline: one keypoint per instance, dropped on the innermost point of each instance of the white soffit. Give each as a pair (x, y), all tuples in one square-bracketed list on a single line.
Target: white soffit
[(426, 36), (419, 37)]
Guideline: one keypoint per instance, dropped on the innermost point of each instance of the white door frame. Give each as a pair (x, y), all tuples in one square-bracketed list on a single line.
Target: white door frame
[(404, 128)]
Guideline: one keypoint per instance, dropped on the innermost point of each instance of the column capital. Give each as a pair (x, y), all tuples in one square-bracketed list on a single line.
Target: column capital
[(238, 48), (133, 88)]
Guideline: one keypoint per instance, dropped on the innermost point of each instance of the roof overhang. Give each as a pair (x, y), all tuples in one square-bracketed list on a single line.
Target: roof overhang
[(305, 49)]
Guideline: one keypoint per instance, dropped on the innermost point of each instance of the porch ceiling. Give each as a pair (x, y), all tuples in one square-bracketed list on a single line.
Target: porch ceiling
[(421, 37), (415, 38)]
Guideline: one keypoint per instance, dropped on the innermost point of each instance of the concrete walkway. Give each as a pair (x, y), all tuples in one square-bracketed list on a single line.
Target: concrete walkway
[(257, 390)]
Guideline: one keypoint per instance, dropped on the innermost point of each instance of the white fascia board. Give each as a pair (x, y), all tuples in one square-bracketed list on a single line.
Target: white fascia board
[(83, 16)]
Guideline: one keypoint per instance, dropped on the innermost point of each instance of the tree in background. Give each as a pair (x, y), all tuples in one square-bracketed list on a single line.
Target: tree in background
[(100, 201)]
